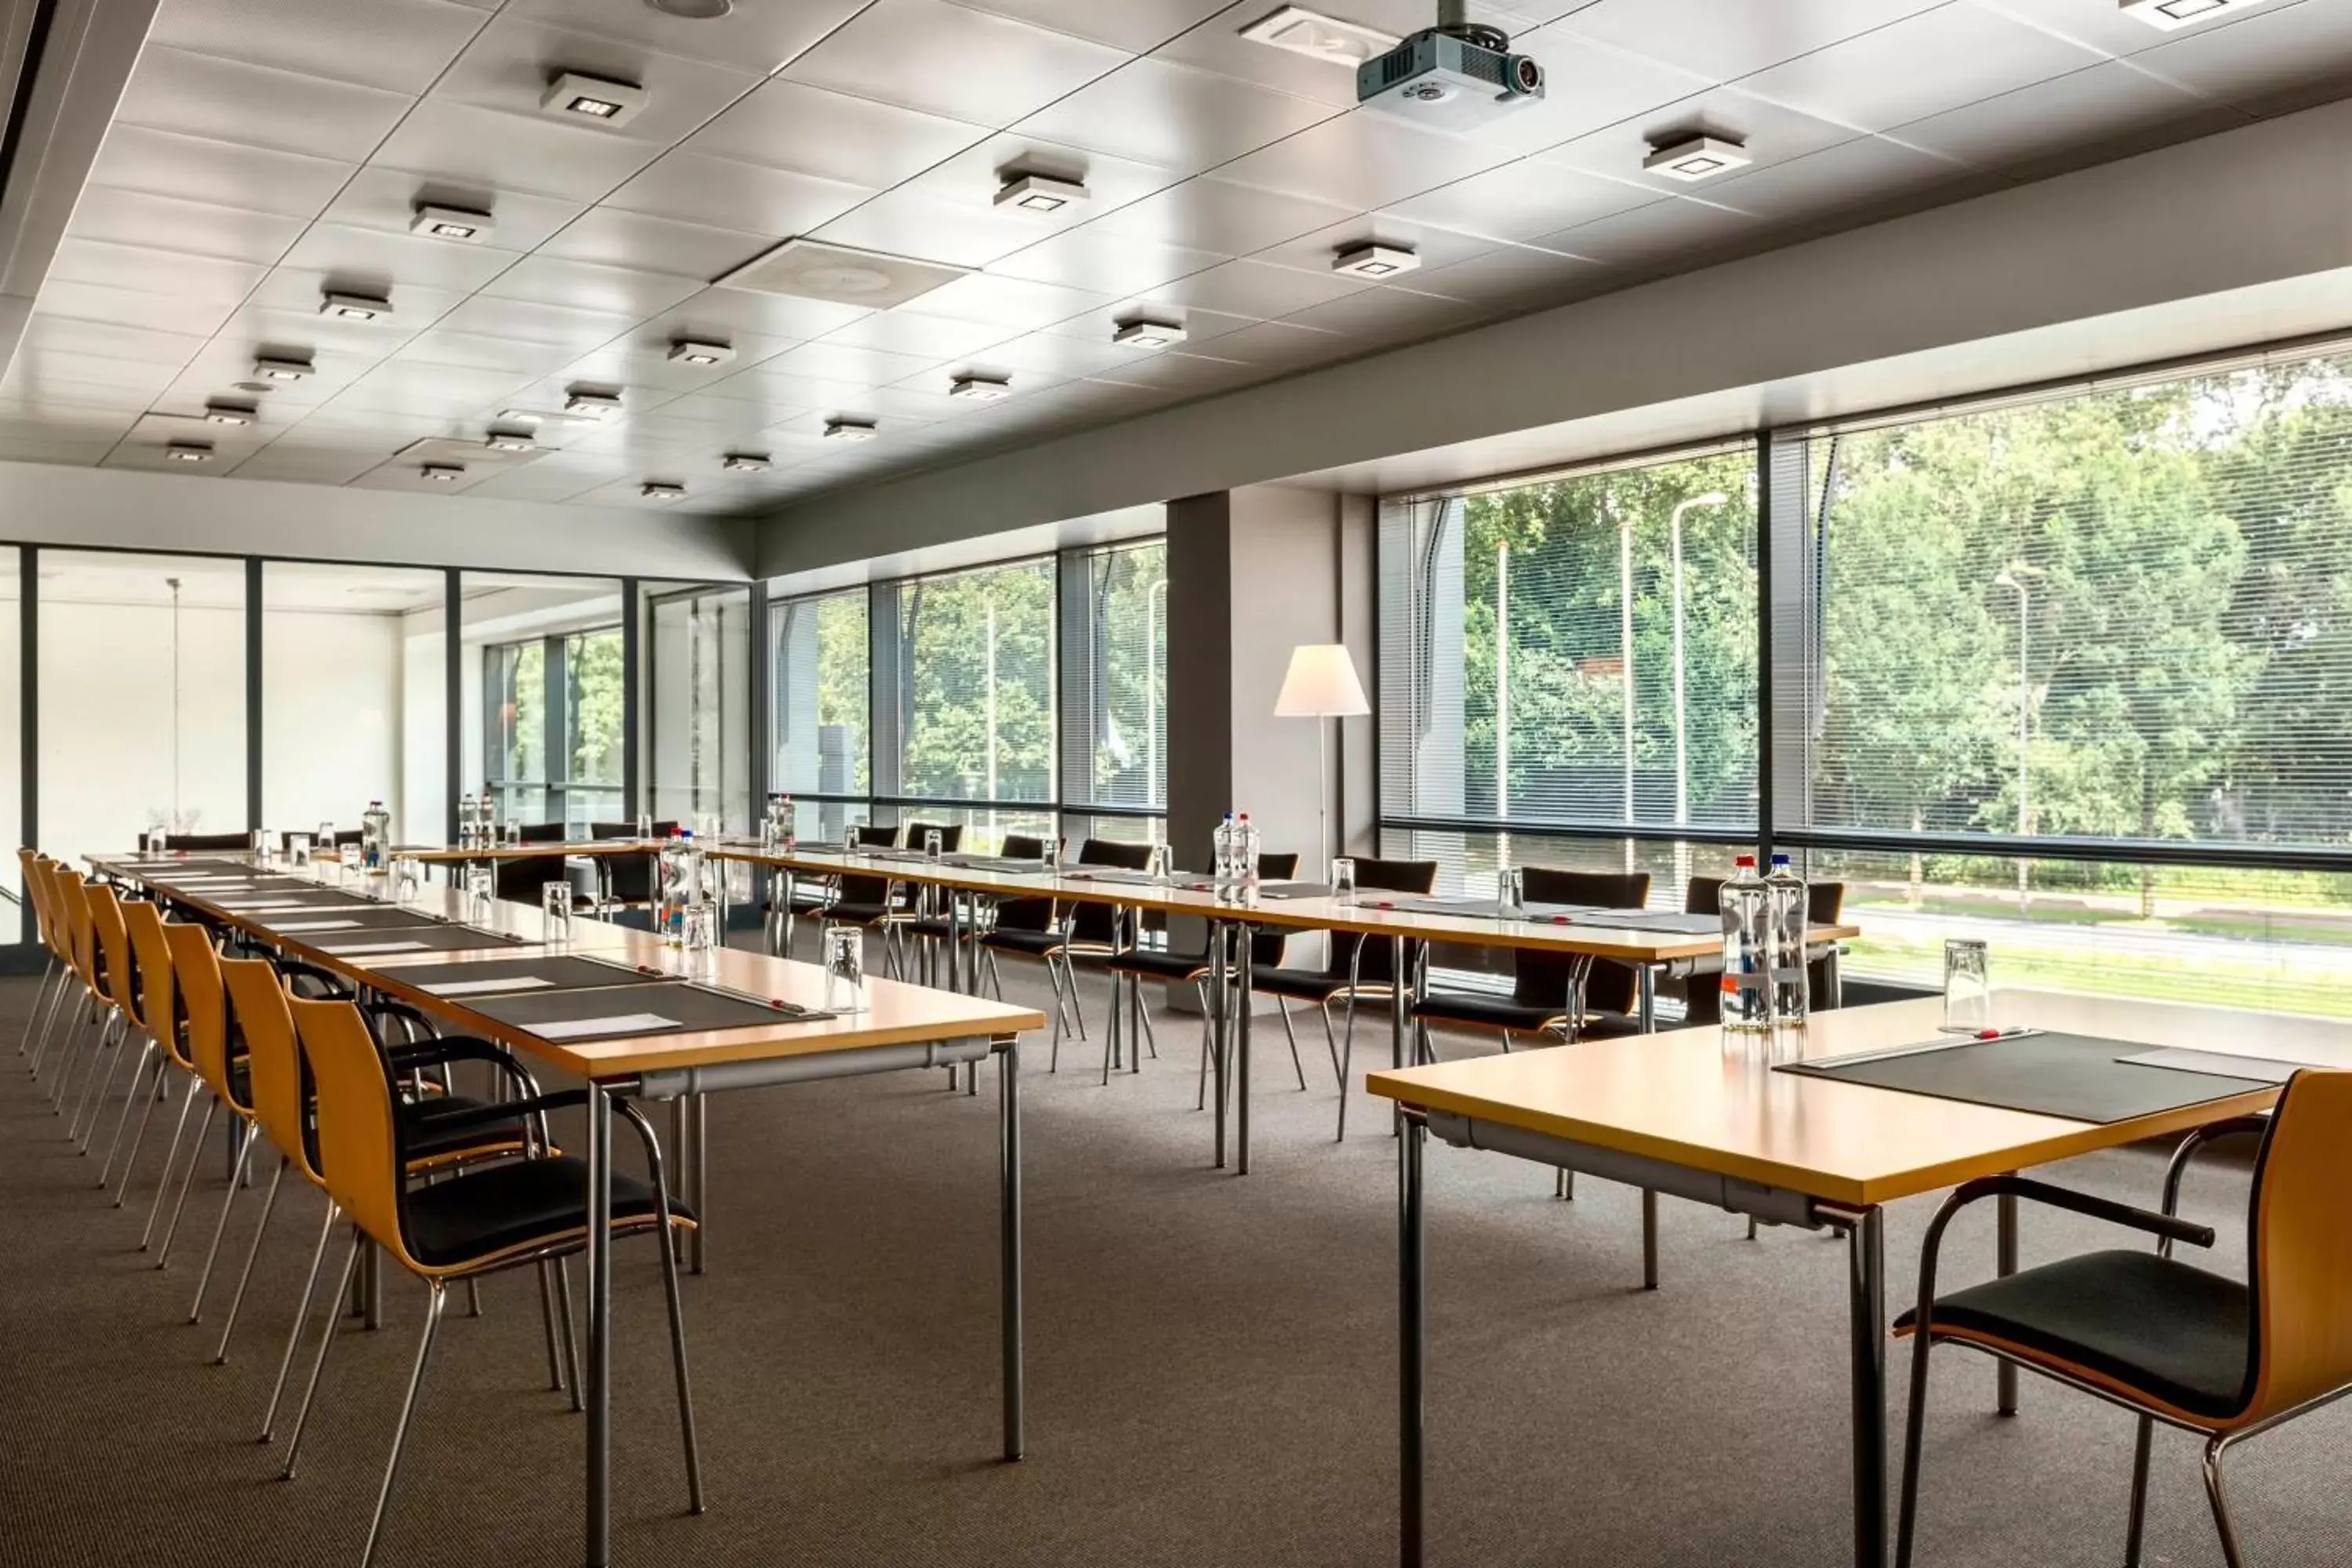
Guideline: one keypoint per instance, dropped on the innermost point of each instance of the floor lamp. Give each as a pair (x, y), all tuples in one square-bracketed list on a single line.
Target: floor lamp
[(1321, 685)]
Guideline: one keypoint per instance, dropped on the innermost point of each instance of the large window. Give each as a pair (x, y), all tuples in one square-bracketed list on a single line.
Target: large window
[(1574, 652), (974, 685), (1115, 679), (354, 697), (699, 671), (141, 698), (818, 722), (2116, 623), (541, 670)]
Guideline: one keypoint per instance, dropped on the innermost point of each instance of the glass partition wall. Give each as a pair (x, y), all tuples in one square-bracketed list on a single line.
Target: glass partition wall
[(699, 667), (1024, 698), (2070, 672), (543, 697)]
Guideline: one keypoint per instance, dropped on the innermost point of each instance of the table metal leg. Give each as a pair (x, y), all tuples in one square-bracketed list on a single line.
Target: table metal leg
[(598, 1374), (1645, 1005), (1646, 1018), (1866, 1244), (1240, 940), (1008, 1166), (1220, 992), (1413, 1341), (697, 1119), (1396, 1022), (2005, 1264)]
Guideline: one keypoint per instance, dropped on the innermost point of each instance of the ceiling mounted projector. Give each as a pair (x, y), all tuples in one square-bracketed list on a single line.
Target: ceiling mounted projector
[(1458, 76)]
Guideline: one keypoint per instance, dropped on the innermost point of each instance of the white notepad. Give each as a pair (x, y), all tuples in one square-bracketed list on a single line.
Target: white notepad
[(350, 947), (318, 925), (619, 1024), (477, 988)]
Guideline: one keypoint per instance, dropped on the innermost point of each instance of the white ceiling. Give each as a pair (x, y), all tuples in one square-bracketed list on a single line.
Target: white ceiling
[(265, 150)]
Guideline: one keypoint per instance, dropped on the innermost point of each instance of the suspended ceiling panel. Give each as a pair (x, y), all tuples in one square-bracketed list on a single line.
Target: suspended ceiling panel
[(268, 151)]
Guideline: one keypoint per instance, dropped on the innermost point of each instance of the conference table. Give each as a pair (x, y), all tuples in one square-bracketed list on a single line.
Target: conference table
[(1807, 1133), (745, 1021)]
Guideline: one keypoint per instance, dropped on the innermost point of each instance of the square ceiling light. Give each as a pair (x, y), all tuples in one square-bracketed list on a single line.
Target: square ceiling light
[(662, 489), (461, 223), (220, 411), (810, 269), (600, 101), (354, 307), (1147, 332), (1039, 194), (511, 441), (2173, 15), (271, 368), (1697, 158), (188, 452), (1331, 39), (442, 473), (747, 462), (848, 427), (699, 352), (979, 387), (1374, 260), (581, 402)]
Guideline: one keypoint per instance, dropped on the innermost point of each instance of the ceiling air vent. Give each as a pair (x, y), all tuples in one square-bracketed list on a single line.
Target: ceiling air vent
[(809, 269)]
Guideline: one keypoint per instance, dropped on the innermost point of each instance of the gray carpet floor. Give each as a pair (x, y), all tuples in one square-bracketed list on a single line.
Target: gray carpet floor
[(1210, 1362)]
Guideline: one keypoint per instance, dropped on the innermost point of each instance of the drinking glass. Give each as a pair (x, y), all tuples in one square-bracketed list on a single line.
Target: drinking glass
[(1968, 987), (480, 890), (706, 826), (1511, 893), (1162, 865), (1343, 880), (555, 902), (298, 850), (644, 824), (845, 969), (262, 840), (514, 834), (407, 878), (326, 838), (931, 843), (150, 843), (767, 834)]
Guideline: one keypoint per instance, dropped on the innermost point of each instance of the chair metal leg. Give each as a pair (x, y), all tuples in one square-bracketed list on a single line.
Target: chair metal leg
[(162, 1091), (2133, 1537), (1112, 1037), (81, 1016), (1347, 1057), (268, 1206), (571, 1335), (1332, 1043), (170, 1158), (433, 1308), (301, 1316), (678, 1357), (2232, 1553), (328, 1322), (1291, 1034), (187, 1179), (102, 1068), (1053, 1058), (1915, 1422), (547, 1321), (245, 1141), (35, 1022), (123, 1121)]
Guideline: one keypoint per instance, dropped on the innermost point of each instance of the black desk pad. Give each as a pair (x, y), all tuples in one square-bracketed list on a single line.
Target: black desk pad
[(1648, 920), (148, 865), (2079, 1076), (361, 917), (681, 1005), (310, 895), (1487, 908), (440, 937), (539, 974), (1299, 890)]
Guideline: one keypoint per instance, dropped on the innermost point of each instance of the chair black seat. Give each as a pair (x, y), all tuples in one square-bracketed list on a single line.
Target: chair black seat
[(1036, 944), (859, 914), (1485, 1010), (421, 1139), (1303, 984), (493, 1210), (1161, 966), (2149, 1324)]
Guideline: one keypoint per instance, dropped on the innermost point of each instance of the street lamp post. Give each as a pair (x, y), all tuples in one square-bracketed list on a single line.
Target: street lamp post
[(1681, 731), (2014, 578)]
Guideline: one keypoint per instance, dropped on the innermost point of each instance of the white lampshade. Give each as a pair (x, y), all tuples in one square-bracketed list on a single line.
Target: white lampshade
[(1321, 684)]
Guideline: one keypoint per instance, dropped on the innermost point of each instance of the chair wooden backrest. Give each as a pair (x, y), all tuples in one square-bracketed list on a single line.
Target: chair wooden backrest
[(212, 1035), (114, 969), (2301, 1270), (159, 1005), (358, 1138), (28, 866), (41, 890), (72, 895), (264, 1018), (1541, 979)]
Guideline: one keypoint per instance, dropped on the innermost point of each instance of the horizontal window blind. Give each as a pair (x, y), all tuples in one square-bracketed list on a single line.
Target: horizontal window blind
[(2124, 615), (1580, 651)]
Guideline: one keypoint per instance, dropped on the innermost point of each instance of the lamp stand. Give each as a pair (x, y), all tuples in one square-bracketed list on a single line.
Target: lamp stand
[(1322, 798)]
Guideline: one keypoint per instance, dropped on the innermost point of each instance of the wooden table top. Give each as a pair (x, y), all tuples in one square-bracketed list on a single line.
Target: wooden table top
[(1678, 1097), (895, 1012), (1365, 916), (444, 855)]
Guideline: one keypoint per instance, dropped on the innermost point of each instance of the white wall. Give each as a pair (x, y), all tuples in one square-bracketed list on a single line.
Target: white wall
[(107, 724), (332, 717), (421, 815)]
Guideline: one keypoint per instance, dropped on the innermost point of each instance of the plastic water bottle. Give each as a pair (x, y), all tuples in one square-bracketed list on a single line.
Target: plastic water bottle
[(1787, 907), (678, 868), (1746, 944), (375, 834), (1221, 855), (467, 819), (1245, 848)]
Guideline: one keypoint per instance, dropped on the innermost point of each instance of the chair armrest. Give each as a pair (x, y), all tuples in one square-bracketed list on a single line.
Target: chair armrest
[(493, 1115), (385, 1008), (339, 989), (2178, 1167), (447, 1049)]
